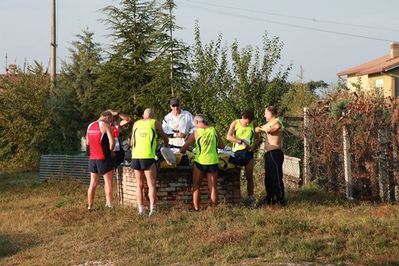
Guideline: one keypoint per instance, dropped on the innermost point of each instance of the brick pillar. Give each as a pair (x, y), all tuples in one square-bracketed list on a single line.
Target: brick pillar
[(174, 187)]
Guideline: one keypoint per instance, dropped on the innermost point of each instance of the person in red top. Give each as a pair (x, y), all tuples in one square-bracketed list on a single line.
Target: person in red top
[(101, 143), (118, 127)]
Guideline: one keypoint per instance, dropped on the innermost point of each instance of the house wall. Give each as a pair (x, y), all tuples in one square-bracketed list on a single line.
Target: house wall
[(394, 73), (388, 82), (353, 81), (368, 82)]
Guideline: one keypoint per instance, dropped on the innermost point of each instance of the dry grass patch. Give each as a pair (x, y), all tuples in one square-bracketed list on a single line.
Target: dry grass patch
[(47, 224)]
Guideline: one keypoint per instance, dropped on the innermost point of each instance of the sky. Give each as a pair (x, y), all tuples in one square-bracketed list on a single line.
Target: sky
[(25, 29)]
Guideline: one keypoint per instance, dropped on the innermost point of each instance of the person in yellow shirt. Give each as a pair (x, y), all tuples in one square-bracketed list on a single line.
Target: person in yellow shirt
[(244, 138), (144, 143), (206, 161)]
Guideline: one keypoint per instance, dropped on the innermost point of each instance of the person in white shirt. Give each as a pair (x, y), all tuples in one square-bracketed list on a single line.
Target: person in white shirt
[(178, 124)]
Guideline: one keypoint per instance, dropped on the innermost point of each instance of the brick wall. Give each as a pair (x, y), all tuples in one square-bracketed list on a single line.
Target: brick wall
[(174, 187)]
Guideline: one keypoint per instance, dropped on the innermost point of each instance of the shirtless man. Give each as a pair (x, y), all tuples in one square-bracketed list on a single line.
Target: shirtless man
[(274, 157)]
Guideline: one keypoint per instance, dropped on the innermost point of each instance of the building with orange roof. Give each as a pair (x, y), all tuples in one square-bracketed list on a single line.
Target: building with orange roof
[(381, 73)]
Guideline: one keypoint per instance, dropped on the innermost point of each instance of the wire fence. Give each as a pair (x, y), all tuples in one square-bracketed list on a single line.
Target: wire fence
[(351, 146)]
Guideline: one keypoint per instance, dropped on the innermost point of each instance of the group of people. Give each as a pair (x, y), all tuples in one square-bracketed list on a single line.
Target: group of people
[(182, 130)]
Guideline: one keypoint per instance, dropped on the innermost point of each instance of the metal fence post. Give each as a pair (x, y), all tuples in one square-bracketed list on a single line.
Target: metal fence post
[(306, 148), (347, 163), (394, 164), (383, 184)]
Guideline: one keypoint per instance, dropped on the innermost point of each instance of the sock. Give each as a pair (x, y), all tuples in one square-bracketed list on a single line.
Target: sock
[(141, 208)]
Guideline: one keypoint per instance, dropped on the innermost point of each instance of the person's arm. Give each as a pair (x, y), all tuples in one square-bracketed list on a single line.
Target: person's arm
[(256, 140), (180, 135), (125, 119), (192, 128), (87, 139), (260, 129), (168, 131), (190, 141), (164, 123), (132, 137), (160, 131), (107, 128), (184, 125), (87, 144), (230, 134), (274, 128), (220, 141)]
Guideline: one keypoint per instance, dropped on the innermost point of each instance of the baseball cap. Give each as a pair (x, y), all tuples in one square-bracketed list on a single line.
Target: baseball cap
[(174, 101)]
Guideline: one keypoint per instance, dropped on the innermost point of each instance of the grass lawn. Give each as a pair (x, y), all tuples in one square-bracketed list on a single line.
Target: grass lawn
[(47, 224)]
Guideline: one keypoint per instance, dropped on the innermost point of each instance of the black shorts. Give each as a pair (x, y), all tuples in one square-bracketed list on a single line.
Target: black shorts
[(207, 167), (119, 158), (241, 158), (142, 164), (101, 166)]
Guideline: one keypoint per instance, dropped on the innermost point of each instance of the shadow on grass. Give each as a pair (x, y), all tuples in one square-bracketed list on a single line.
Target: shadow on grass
[(316, 196), (19, 180), (7, 247), (12, 244)]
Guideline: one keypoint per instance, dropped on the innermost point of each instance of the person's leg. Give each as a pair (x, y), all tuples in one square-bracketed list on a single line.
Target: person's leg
[(139, 175), (278, 158), (108, 187), (268, 178), (274, 176), (197, 177), (91, 192), (249, 174), (212, 186), (150, 175)]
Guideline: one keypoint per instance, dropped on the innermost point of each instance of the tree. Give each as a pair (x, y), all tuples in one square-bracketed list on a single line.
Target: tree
[(74, 101), (301, 94), (223, 90), (171, 67), (81, 74), (128, 68), (315, 86), (25, 121), (145, 59)]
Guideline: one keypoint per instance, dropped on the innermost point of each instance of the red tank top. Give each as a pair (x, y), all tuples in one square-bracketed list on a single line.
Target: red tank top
[(95, 135), (115, 133)]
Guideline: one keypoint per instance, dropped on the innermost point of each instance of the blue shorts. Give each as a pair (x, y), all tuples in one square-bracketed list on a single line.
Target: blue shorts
[(207, 167), (142, 164), (101, 166), (241, 158)]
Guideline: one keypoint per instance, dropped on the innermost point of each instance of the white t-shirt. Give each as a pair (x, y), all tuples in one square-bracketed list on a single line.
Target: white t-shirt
[(181, 123)]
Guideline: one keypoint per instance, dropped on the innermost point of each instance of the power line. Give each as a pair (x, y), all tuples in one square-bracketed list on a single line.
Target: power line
[(288, 24), (294, 17)]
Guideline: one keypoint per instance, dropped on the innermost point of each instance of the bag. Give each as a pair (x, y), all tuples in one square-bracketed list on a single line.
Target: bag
[(168, 155)]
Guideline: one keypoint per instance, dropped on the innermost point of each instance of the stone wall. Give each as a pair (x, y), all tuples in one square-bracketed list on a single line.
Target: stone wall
[(174, 187)]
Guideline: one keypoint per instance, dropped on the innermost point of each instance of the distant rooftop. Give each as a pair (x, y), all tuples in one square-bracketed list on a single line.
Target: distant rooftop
[(379, 65)]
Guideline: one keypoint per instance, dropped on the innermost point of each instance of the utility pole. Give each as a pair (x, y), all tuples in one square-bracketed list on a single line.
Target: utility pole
[(6, 63), (53, 44), (306, 149), (171, 48)]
